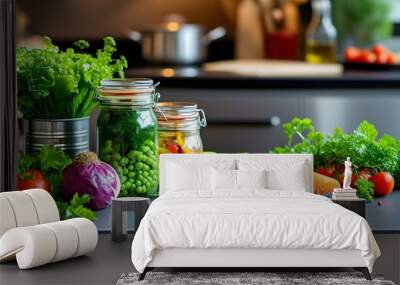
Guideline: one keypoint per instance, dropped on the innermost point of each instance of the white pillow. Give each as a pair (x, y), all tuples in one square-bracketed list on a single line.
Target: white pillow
[(283, 173), (291, 179), (251, 178), (224, 179), (183, 178)]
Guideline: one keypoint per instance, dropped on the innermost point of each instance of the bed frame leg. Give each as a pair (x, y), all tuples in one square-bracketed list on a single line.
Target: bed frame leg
[(365, 272), (143, 274)]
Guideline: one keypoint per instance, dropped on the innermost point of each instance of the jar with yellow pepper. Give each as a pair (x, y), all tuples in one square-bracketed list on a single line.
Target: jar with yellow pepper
[(179, 125)]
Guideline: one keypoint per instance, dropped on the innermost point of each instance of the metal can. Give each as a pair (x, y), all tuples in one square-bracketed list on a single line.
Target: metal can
[(68, 135)]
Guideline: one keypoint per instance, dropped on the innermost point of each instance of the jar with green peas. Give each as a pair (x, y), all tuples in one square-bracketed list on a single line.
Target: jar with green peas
[(127, 133)]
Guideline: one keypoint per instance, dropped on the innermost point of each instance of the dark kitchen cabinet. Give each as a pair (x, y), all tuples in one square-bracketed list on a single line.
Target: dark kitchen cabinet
[(239, 118), (347, 108)]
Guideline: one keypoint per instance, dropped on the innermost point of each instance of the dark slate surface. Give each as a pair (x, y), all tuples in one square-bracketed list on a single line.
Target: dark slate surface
[(104, 265), (382, 219), (386, 217)]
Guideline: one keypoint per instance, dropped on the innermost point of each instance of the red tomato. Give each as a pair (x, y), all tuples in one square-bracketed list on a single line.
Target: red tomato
[(379, 49), (382, 58), (341, 168), (392, 58), (351, 54), (172, 147), (32, 179), (366, 57), (383, 183), (327, 171), (365, 173)]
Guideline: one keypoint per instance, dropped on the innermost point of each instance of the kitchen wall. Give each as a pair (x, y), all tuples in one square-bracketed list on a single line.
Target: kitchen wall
[(71, 19)]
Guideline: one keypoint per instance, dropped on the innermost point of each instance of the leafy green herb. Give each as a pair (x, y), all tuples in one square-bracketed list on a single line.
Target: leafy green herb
[(365, 189), (311, 141), (50, 161), (363, 146), (76, 208), (25, 164), (54, 84), (52, 164)]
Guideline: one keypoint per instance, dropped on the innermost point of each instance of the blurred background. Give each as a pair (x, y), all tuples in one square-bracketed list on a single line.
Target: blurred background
[(359, 23), (250, 64)]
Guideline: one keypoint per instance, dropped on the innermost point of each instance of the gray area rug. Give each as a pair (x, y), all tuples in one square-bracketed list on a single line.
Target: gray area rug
[(243, 278)]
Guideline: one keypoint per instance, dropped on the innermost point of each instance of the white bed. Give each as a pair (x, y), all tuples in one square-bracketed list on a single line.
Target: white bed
[(203, 219)]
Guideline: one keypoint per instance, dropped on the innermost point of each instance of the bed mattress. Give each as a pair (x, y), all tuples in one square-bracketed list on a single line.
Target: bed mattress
[(250, 219)]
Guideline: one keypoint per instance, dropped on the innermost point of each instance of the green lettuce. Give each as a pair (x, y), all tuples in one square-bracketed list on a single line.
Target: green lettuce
[(54, 84)]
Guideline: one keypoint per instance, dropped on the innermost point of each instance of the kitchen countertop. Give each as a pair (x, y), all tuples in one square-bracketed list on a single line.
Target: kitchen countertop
[(383, 219), (195, 77)]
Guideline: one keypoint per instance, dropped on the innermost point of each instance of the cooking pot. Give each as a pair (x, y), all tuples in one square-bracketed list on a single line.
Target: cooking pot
[(175, 43)]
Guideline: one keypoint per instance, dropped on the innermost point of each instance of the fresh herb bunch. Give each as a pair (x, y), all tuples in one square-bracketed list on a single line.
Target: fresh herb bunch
[(363, 146), (365, 189), (76, 208), (50, 161), (54, 84)]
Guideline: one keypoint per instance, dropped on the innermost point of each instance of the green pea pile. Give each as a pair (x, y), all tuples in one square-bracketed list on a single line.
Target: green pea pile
[(137, 169)]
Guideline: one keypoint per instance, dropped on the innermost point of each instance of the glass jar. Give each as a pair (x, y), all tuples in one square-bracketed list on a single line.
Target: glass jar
[(127, 133), (179, 126), (321, 34)]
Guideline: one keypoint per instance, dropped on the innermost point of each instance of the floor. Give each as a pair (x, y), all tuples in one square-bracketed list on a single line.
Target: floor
[(111, 259), (103, 266)]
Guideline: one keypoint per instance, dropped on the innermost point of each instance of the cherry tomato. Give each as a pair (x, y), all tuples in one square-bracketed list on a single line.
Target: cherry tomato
[(365, 173), (382, 58), (351, 54), (32, 179), (383, 183), (327, 171), (379, 49), (392, 59), (172, 147), (341, 168), (366, 57)]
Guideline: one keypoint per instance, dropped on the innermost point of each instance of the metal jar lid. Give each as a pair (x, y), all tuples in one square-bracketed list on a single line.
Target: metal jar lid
[(127, 93), (182, 116)]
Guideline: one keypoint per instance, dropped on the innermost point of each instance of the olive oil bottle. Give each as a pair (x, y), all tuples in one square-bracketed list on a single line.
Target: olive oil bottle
[(321, 34), (320, 52)]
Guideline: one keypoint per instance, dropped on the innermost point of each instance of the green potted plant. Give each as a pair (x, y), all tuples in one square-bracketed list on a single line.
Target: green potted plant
[(56, 90)]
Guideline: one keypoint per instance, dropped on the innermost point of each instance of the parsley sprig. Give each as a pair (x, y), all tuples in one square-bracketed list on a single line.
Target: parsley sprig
[(363, 145)]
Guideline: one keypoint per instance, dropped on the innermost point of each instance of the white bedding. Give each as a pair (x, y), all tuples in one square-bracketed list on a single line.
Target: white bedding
[(250, 219)]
